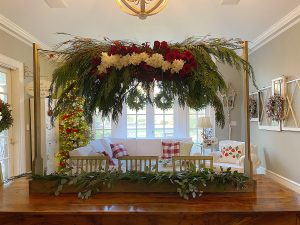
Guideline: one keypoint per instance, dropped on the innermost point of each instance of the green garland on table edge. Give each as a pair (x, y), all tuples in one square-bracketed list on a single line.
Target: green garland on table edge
[(106, 73), (189, 183), (6, 119)]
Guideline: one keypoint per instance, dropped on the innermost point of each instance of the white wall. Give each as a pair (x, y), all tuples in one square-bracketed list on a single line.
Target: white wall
[(279, 151)]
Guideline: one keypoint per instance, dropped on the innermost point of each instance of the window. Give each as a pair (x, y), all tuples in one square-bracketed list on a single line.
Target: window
[(164, 123), (152, 122), (193, 129), (102, 127), (136, 123)]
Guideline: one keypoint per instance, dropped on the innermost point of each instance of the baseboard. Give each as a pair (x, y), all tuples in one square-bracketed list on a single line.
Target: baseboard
[(281, 179)]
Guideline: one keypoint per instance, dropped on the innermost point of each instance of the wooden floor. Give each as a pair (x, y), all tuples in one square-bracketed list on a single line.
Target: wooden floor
[(272, 204)]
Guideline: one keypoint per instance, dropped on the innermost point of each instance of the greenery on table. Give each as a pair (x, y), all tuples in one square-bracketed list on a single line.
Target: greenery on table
[(189, 183), (108, 73)]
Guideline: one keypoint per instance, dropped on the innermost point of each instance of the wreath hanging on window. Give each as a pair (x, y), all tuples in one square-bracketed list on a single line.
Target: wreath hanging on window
[(163, 101), (275, 108), (6, 119), (252, 108), (136, 100)]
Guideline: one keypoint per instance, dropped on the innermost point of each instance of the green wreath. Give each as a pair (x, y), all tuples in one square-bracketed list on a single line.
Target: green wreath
[(163, 101), (6, 119), (136, 100)]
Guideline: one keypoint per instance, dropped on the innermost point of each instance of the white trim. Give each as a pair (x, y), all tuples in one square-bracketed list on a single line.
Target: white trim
[(282, 180), (19, 33), (18, 111), (276, 29)]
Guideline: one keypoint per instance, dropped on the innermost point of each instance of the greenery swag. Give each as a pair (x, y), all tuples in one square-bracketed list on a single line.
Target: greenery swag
[(106, 73), (188, 183), (6, 119)]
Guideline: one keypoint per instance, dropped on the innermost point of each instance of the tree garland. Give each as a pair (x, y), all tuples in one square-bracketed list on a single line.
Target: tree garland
[(6, 119), (189, 183), (105, 72), (275, 108)]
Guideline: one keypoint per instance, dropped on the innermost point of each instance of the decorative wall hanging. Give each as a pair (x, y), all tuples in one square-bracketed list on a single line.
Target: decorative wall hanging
[(270, 97), (6, 119), (292, 106), (254, 106), (228, 98), (106, 72)]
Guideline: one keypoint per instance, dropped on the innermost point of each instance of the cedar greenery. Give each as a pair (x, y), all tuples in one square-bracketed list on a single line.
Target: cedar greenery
[(189, 183), (6, 119), (108, 92)]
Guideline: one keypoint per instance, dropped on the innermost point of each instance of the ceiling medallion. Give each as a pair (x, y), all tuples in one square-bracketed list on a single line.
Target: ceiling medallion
[(142, 8)]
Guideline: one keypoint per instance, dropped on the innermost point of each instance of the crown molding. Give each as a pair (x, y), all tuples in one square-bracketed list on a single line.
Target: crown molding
[(19, 33), (276, 29)]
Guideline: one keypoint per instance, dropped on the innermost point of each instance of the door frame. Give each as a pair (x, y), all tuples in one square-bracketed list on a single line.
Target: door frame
[(18, 112)]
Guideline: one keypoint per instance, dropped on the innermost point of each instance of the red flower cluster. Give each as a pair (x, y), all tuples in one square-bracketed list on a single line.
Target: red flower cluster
[(69, 130), (144, 71)]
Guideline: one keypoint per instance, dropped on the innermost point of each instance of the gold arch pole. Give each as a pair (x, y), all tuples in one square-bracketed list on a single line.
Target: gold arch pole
[(37, 167), (247, 161)]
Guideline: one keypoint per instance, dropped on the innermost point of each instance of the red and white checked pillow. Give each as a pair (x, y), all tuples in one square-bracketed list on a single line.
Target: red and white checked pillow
[(118, 150), (170, 149)]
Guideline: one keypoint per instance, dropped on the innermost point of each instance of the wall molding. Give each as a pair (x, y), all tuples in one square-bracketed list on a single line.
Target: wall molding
[(281, 179), (19, 33), (276, 29)]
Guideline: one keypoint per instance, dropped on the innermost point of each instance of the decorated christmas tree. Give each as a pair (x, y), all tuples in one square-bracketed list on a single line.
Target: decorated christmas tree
[(74, 131)]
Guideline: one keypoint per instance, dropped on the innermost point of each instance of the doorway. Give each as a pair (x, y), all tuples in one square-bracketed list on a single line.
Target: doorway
[(6, 139)]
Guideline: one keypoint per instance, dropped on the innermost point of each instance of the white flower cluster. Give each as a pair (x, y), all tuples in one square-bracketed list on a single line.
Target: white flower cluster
[(0, 116), (156, 61)]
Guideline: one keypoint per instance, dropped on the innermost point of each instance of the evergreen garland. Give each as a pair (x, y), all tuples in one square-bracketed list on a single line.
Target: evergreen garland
[(189, 183), (6, 119), (105, 80)]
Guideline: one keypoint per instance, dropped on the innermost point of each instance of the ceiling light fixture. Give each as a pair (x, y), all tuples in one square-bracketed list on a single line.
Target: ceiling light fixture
[(142, 8)]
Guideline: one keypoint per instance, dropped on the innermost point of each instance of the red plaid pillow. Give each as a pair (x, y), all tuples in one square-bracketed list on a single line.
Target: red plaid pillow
[(170, 149), (118, 150)]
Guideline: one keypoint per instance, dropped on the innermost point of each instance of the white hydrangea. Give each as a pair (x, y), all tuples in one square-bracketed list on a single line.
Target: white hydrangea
[(166, 66), (177, 65), (135, 59), (155, 60)]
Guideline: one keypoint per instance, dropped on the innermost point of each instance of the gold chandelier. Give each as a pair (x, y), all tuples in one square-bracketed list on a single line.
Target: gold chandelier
[(142, 8)]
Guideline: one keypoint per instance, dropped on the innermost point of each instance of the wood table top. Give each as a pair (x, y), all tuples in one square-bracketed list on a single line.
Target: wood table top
[(270, 197)]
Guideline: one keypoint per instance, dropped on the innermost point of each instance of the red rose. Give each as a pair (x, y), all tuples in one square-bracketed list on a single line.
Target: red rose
[(233, 156), (156, 45), (75, 130), (239, 152), (187, 68), (226, 154), (62, 164), (171, 56), (113, 50), (96, 61), (188, 55), (233, 150), (164, 45)]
